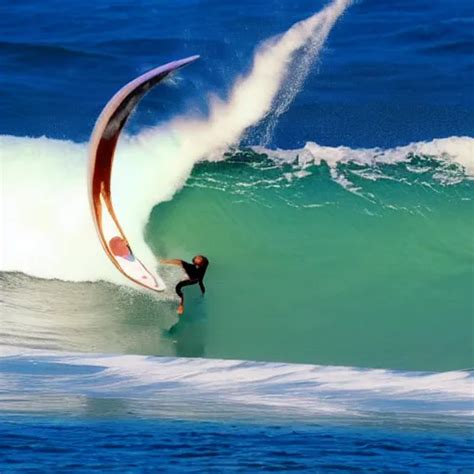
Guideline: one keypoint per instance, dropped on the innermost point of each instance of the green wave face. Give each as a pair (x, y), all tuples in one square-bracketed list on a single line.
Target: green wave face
[(355, 265)]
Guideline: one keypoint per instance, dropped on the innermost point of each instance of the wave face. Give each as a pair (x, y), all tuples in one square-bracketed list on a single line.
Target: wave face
[(46, 225), (328, 203), (372, 243)]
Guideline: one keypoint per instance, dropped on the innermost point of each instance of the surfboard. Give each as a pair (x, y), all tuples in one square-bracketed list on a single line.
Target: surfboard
[(102, 147)]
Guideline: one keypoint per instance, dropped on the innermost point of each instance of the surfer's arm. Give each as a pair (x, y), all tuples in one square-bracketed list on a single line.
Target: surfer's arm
[(172, 261), (201, 285)]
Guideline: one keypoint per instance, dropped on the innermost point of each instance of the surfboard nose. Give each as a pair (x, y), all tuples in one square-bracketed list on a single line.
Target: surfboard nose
[(188, 60)]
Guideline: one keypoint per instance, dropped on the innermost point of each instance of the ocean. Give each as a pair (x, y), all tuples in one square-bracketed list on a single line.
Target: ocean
[(321, 155)]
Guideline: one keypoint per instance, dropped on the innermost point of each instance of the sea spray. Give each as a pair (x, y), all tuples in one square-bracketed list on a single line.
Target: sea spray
[(46, 225)]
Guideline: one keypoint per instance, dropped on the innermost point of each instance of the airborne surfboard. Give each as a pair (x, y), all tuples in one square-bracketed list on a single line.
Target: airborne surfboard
[(103, 143)]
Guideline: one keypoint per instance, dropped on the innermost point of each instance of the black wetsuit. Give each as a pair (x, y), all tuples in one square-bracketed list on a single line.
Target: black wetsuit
[(195, 274)]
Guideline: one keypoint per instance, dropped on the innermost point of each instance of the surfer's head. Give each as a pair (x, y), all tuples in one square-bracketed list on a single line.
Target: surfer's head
[(200, 261)]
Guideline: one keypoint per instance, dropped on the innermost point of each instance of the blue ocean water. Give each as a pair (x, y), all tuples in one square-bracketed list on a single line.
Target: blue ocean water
[(81, 412), (147, 446), (389, 74)]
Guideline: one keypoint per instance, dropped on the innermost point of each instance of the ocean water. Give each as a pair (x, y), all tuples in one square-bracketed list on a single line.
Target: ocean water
[(321, 155)]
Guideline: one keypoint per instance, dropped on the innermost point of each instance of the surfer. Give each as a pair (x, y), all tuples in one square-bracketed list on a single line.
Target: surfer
[(195, 272)]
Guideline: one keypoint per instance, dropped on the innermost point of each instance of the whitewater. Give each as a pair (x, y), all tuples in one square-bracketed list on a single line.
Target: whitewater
[(231, 389)]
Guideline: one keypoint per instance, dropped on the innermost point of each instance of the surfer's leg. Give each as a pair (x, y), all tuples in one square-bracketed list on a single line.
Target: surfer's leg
[(179, 292)]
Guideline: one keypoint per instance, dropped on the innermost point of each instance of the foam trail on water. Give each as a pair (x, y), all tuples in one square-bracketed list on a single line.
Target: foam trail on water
[(167, 386), (47, 229)]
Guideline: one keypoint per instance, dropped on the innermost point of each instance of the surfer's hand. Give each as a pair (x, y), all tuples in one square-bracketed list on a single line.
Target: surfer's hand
[(172, 261)]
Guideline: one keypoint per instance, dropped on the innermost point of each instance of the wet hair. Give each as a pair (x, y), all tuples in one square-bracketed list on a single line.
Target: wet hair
[(205, 261)]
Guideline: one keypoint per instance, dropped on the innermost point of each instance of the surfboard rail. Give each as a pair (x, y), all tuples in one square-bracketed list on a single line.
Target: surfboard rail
[(102, 146)]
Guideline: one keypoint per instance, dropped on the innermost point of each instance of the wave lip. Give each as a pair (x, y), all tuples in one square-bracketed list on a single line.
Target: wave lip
[(203, 388), (458, 150)]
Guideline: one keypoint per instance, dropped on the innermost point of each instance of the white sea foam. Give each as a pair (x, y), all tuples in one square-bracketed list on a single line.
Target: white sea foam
[(459, 150), (46, 226), (232, 386)]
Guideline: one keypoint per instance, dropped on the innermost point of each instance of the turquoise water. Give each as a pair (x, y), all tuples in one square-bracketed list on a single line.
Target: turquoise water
[(376, 273), (355, 264)]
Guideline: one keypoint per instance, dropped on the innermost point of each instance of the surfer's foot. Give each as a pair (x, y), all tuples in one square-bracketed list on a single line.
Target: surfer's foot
[(180, 309)]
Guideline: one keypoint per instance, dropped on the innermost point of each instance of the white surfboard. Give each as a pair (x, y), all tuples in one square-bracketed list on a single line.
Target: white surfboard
[(101, 156)]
